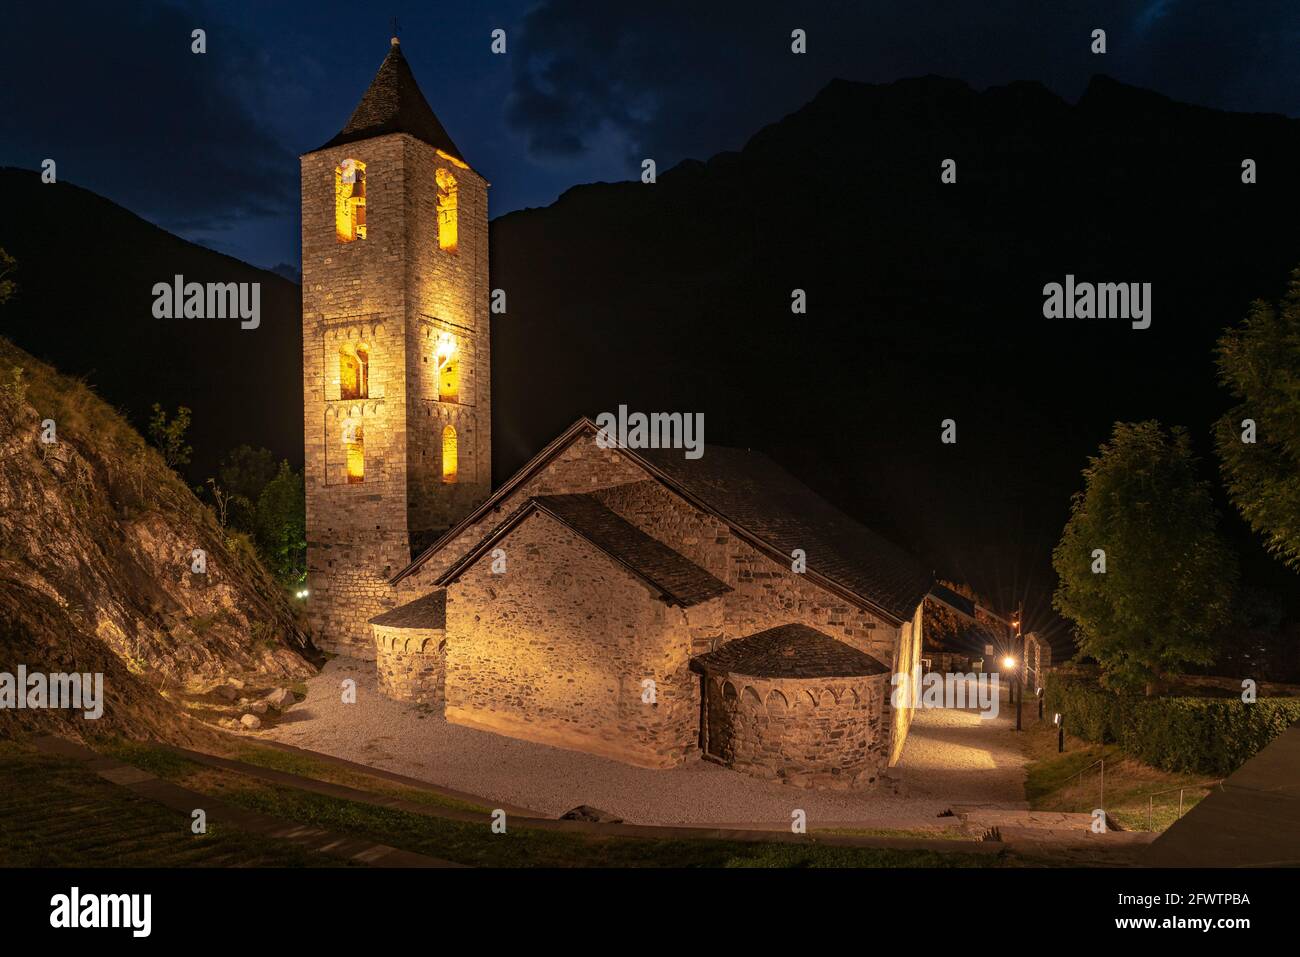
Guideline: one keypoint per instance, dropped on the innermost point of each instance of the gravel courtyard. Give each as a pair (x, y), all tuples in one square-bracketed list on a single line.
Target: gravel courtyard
[(952, 757)]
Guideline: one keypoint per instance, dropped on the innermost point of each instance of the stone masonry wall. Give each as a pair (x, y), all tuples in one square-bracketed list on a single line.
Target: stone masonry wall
[(823, 733), (906, 661), (354, 294), (582, 467), (767, 594), (410, 664), (392, 293), (447, 295), (556, 650)]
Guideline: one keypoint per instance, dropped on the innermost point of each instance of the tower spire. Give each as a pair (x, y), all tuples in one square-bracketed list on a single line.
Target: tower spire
[(394, 104)]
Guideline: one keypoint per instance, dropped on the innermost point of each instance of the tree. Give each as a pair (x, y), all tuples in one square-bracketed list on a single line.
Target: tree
[(282, 527), (1259, 363), (169, 437), (246, 471), (1143, 573), (8, 266)]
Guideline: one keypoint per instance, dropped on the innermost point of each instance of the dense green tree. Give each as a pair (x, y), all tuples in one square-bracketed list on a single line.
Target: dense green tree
[(281, 527), (1258, 440), (244, 472), (1151, 604)]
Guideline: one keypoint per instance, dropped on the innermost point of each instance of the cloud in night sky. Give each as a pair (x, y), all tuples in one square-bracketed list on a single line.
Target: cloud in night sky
[(678, 79), (207, 146), (117, 99)]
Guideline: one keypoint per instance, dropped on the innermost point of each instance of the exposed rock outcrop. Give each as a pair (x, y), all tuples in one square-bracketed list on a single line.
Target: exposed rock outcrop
[(98, 569)]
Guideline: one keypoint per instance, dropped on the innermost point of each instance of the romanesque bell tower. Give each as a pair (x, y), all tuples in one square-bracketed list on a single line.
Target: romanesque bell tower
[(396, 375)]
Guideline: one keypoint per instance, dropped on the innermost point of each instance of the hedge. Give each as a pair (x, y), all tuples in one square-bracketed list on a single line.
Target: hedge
[(1200, 735)]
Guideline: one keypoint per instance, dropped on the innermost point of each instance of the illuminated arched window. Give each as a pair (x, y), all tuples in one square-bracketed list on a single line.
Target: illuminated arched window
[(448, 454), (448, 201), (447, 354), (350, 200), (354, 443), (354, 373)]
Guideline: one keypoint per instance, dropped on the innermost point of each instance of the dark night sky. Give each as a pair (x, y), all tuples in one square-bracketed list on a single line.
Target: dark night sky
[(206, 146)]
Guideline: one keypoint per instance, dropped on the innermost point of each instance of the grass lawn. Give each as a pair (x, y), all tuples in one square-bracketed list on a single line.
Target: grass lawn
[(475, 844), (306, 766), (56, 813), (1051, 784)]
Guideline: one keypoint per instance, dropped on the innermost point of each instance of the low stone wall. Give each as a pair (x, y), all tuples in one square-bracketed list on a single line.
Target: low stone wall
[(811, 733), (410, 664)]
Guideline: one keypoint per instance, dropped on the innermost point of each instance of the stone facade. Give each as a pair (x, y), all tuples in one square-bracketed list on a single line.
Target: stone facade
[(410, 664), (408, 305), (803, 732), (765, 594), (557, 649)]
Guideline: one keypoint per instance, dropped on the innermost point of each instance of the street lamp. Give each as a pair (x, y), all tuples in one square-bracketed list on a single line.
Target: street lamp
[(1020, 646)]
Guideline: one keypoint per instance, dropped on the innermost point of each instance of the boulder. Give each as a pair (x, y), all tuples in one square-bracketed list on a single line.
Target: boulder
[(281, 699), (257, 707), (251, 721), (585, 812), (226, 692)]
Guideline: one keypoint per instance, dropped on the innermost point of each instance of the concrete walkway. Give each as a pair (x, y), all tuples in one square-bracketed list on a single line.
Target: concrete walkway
[(1251, 820)]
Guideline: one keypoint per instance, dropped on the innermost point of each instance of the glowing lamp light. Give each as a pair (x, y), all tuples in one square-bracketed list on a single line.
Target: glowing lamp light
[(301, 593), (1008, 662)]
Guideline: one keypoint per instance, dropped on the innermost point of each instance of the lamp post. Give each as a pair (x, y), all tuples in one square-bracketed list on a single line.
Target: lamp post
[(1020, 654)]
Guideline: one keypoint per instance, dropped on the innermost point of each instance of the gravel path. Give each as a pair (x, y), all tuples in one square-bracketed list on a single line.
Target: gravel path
[(952, 757)]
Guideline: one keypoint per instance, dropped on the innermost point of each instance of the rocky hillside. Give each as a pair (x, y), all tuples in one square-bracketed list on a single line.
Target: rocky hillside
[(97, 538)]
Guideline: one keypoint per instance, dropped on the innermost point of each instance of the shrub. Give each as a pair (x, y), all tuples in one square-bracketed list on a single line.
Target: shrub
[(1199, 735)]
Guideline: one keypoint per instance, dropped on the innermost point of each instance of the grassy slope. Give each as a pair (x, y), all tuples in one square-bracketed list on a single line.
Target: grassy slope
[(1052, 783), (56, 813)]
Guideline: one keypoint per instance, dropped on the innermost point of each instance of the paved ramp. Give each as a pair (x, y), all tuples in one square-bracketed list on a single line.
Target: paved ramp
[(1253, 821)]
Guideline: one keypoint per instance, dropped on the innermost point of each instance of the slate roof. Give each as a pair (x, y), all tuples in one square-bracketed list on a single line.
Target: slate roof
[(753, 492), (789, 651), (428, 611), (766, 505), (678, 580), (394, 104)]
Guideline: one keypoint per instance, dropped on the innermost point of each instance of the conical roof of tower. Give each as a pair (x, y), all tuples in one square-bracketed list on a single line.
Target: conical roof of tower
[(394, 104)]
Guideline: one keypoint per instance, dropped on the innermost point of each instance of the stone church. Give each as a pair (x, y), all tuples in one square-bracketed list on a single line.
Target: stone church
[(632, 603)]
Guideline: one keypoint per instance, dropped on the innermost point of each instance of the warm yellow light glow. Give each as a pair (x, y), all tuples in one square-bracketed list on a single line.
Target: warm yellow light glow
[(350, 200), (354, 443), (447, 356), (448, 200), (354, 373), (449, 454), (451, 159), (1008, 663)]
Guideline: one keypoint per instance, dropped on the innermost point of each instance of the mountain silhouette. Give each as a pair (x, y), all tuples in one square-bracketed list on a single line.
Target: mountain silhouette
[(924, 303)]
